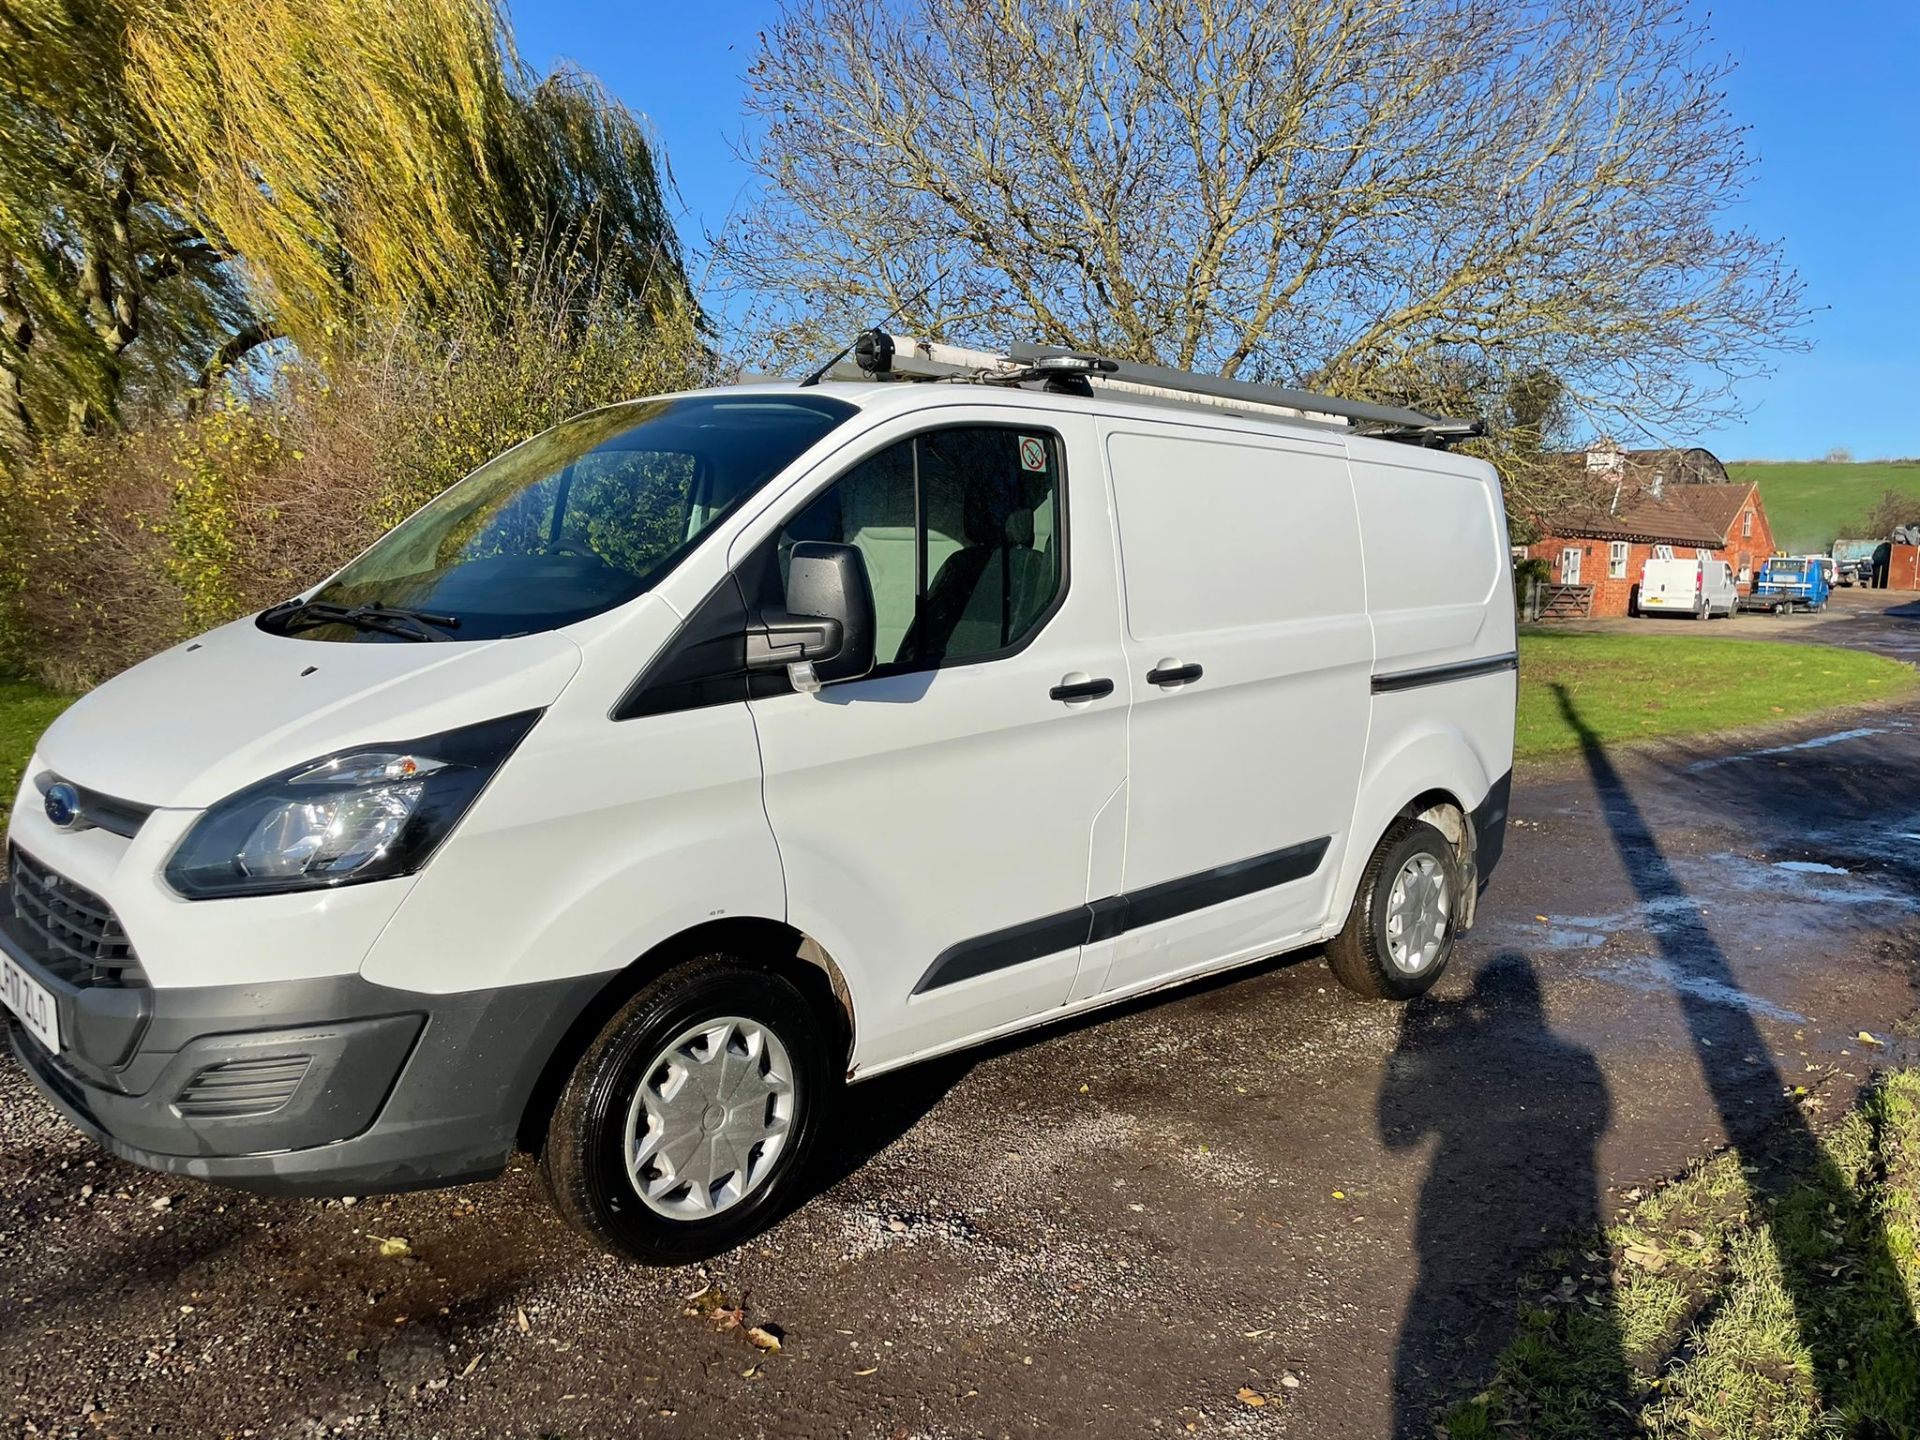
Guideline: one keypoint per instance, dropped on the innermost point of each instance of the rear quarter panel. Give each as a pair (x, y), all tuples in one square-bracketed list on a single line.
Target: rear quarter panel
[(1440, 592)]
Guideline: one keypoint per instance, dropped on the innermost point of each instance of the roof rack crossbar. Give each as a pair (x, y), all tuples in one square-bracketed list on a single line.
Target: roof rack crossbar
[(1360, 411), (904, 357)]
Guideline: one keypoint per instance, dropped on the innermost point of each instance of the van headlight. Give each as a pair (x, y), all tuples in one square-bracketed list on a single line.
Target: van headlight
[(368, 813)]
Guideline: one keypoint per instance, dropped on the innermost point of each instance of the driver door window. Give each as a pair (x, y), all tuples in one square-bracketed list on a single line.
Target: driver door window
[(960, 530)]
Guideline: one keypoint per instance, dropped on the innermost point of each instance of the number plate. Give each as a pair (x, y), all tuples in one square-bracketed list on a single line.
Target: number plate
[(32, 1002)]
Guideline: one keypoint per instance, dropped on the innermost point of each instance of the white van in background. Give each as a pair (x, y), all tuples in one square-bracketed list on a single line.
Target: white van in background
[(1697, 587), (708, 751)]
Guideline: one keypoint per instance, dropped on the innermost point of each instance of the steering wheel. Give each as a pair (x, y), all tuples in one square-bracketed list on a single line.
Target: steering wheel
[(572, 547)]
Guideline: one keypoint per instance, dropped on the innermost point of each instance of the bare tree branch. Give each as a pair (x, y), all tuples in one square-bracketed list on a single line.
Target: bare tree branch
[(1381, 197)]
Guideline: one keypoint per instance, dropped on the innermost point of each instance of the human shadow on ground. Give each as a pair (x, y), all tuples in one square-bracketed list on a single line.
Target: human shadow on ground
[(1854, 1318), (1516, 1114)]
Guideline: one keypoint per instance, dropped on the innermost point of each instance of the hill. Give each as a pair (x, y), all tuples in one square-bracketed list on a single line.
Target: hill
[(1813, 502)]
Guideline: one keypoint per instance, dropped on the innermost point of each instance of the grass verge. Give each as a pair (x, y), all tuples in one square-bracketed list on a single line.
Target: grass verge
[(1679, 1321), (25, 710), (1630, 687)]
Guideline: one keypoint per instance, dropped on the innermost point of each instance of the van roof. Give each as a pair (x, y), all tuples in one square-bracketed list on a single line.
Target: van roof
[(903, 397)]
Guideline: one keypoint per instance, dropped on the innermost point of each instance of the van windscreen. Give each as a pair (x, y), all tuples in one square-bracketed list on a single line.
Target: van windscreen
[(577, 520)]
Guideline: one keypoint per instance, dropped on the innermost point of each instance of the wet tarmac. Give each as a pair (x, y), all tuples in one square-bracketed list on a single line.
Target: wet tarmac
[(1258, 1207)]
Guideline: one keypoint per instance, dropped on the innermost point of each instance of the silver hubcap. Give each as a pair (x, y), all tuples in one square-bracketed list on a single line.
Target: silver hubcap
[(1417, 910), (711, 1117)]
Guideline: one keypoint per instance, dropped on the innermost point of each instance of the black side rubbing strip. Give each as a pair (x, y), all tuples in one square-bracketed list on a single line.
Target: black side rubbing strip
[(1441, 674), (1116, 914), (1228, 882), (1015, 945)]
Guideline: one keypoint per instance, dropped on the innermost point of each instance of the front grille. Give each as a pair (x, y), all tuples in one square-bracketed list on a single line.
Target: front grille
[(236, 1088), (70, 930), (121, 817)]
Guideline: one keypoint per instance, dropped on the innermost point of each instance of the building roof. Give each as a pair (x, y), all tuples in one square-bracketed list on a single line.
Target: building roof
[(1718, 505), (1698, 515), (1666, 497)]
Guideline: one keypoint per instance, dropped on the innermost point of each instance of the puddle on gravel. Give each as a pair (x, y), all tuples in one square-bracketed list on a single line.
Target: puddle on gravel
[(1749, 904), (1819, 742), (1794, 880), (1650, 973)]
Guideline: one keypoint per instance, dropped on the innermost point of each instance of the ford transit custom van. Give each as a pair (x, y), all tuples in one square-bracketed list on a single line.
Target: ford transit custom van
[(706, 753)]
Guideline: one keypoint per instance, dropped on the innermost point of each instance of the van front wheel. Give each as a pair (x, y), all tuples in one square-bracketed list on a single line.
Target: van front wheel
[(1400, 933), (686, 1124)]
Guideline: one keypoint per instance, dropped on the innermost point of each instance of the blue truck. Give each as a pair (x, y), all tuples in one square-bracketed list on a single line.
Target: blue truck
[(1788, 584)]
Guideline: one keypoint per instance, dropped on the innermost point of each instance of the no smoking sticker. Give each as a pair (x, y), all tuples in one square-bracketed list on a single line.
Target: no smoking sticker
[(1033, 453)]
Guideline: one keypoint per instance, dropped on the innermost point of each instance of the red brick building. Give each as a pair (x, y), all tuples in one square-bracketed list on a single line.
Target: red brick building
[(1677, 503)]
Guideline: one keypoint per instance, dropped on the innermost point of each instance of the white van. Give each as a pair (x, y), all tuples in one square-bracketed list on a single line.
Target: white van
[(709, 750), (1696, 586)]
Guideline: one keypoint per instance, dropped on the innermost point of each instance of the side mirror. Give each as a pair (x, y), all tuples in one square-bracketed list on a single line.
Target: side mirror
[(827, 631)]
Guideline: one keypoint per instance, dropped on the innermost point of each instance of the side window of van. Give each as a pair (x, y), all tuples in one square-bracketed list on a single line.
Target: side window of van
[(961, 531)]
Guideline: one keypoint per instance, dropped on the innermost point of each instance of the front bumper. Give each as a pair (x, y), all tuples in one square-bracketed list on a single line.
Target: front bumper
[(332, 1086)]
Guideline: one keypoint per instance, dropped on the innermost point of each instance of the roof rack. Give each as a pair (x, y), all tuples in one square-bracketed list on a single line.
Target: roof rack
[(880, 356)]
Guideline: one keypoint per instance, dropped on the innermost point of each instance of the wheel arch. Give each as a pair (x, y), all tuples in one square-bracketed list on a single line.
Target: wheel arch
[(1434, 776), (758, 941)]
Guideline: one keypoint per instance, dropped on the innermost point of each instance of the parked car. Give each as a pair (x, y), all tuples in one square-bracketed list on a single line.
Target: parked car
[(1853, 561), (709, 751), (1696, 587), (1789, 584)]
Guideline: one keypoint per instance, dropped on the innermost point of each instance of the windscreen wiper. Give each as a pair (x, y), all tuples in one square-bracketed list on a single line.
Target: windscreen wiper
[(381, 619)]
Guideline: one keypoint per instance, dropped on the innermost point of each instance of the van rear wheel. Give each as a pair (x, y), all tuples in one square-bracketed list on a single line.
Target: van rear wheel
[(685, 1126), (1400, 934)]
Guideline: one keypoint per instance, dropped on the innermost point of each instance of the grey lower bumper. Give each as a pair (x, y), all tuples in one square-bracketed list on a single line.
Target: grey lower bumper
[(321, 1087)]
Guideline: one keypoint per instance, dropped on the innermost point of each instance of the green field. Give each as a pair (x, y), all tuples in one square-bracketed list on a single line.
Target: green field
[(1813, 503), (25, 710), (1632, 687)]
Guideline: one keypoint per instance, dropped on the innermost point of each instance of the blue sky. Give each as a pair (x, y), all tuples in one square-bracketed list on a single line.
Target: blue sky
[(1828, 91)]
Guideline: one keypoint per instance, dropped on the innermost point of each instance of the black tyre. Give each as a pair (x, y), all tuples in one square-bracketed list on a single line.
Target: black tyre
[(1400, 934), (686, 1126)]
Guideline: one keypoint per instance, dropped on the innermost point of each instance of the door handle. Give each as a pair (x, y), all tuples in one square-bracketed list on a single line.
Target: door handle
[(1078, 687), (1167, 672)]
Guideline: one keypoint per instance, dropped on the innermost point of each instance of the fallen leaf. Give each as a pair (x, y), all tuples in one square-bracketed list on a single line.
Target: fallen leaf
[(1542, 919), (763, 1338), (525, 1328), (1648, 1257), (1249, 1396), (472, 1365), (1339, 1194), (870, 1370), (394, 1247), (1870, 1040)]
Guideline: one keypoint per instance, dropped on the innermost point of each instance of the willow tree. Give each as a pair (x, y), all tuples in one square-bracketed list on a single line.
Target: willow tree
[(288, 168), (1371, 196), (110, 286)]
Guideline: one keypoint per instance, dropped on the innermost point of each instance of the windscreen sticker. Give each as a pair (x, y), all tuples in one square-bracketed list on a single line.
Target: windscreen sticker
[(1033, 453)]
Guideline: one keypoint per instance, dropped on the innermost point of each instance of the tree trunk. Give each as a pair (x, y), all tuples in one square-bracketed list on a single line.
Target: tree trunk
[(16, 337), (232, 350)]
